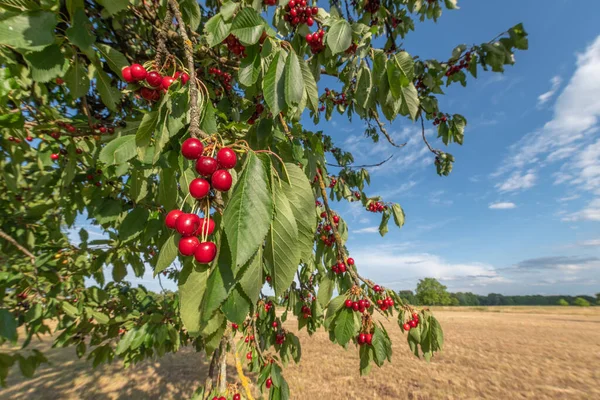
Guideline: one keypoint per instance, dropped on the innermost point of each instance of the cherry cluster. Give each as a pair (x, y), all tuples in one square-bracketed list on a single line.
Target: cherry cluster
[(332, 182), (155, 81), (259, 108), (439, 119), (209, 168), (234, 326), (298, 13), (315, 41), (386, 303), (357, 194), (234, 46), (464, 63), (280, 338), (268, 306), (413, 323), (306, 312), (236, 396), (335, 97), (376, 207), (372, 6), (224, 77), (91, 177), (364, 338), (190, 226), (360, 306), (395, 21), (249, 339)]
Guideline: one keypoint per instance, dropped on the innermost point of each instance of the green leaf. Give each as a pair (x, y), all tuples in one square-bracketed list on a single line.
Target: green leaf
[(247, 26), (250, 67), (133, 224), (302, 201), (77, 80), (69, 309), (333, 307), (383, 226), (118, 150), (114, 58), (379, 346), (47, 64), (326, 286), (274, 83), (220, 283), (112, 7), (167, 254), (28, 31), (146, 128), (216, 30), (190, 11), (347, 324), (282, 253), (167, 188), (138, 185), (398, 213), (294, 83), (81, 31), (252, 277), (237, 306), (339, 36), (192, 285), (363, 87), (249, 211), (406, 65), (410, 101), (119, 270), (8, 325), (310, 85), (109, 94)]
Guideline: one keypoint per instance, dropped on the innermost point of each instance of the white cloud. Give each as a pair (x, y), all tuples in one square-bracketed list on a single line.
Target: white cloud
[(518, 181), (403, 188), (502, 206), (590, 213), (590, 243), (438, 198), (568, 198), (544, 97), (369, 229)]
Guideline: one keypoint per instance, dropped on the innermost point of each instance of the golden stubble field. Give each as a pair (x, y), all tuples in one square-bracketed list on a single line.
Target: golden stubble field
[(490, 353)]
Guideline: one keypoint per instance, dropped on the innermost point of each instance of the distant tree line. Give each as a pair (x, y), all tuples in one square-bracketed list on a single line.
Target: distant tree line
[(431, 292)]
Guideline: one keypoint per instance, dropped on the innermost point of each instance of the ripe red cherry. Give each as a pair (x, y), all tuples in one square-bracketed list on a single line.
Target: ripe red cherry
[(206, 226), (29, 138), (406, 327), (269, 382), (148, 94), (222, 398), (154, 79), (237, 396), (206, 166), (54, 156), (274, 324), (171, 218), (413, 323), (362, 338), (188, 245), (368, 338), (221, 180), (127, 77), (336, 219), (205, 252), (138, 72), (377, 288), (192, 149), (167, 81), (355, 306), (184, 77), (348, 303), (226, 158), (199, 188), (102, 129), (187, 224), (350, 261), (415, 316)]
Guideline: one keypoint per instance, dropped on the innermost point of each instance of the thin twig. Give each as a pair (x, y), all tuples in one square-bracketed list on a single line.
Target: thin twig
[(12, 241), (361, 166), (431, 149), (86, 111), (285, 127), (384, 131)]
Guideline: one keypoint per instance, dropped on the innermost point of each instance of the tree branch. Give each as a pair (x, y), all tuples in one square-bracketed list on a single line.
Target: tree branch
[(431, 149), (361, 166), (12, 241), (384, 131), (161, 49)]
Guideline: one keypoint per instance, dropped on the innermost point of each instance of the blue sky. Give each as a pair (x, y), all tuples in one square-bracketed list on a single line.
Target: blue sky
[(520, 213)]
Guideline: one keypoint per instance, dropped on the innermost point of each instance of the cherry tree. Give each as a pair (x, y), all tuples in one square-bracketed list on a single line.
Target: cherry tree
[(175, 129)]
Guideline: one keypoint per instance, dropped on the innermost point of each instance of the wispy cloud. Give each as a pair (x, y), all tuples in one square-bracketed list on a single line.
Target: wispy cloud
[(518, 181), (591, 212), (544, 97), (502, 206), (369, 229)]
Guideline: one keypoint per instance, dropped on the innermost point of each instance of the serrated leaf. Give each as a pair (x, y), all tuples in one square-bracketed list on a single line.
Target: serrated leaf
[(114, 58), (146, 128), (114, 6), (47, 64), (167, 188), (219, 284), (252, 277), (282, 253), (274, 83), (216, 30), (346, 326), (410, 100), (192, 285), (398, 214), (138, 185), (77, 80), (247, 26), (109, 94), (190, 11), (81, 31), (326, 286), (294, 83), (339, 36), (310, 85), (28, 31), (167, 254), (302, 202), (250, 67), (118, 150), (133, 224), (237, 307), (383, 226), (363, 87), (249, 211), (8, 326)]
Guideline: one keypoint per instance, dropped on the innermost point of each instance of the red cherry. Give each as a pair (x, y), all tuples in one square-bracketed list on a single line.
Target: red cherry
[(249, 355), (102, 129), (187, 224), (274, 324), (415, 316), (226, 158), (138, 72), (167, 81), (336, 219), (269, 382), (362, 338), (154, 79), (188, 245), (54, 156), (413, 323), (222, 398), (29, 138), (148, 94), (206, 166), (309, 21), (377, 288), (369, 338), (127, 77), (355, 306), (171, 218), (221, 180), (237, 396), (199, 188), (205, 252), (184, 78), (71, 128), (192, 149), (406, 327), (208, 226), (348, 303), (350, 261), (315, 10)]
